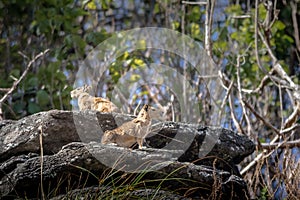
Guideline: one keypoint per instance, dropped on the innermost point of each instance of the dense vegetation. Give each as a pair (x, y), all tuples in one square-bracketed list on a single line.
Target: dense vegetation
[(254, 45)]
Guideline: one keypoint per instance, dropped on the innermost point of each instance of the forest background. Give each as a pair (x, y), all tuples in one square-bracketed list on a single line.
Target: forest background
[(254, 45)]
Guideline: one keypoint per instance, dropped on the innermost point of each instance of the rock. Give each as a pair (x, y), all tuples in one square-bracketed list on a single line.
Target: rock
[(187, 160), (105, 192), (207, 143), (23, 135), (78, 159)]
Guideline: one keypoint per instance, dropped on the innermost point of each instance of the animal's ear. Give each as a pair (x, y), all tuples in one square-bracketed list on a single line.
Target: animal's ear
[(86, 88), (146, 107)]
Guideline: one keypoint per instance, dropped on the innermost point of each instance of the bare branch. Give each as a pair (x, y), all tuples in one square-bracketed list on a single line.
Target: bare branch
[(275, 14), (293, 117), (224, 100), (295, 24), (238, 65), (267, 21), (261, 117), (289, 144), (16, 83), (23, 55), (4, 89), (194, 3), (241, 17), (208, 26), (281, 105), (235, 121), (263, 69), (292, 128), (258, 157), (277, 66), (262, 84)]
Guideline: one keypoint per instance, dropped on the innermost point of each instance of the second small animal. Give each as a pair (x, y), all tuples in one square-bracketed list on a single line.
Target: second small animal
[(130, 132)]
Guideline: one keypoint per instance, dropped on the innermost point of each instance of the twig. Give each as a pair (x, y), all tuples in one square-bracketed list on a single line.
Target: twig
[(4, 89), (267, 22), (281, 105), (184, 86), (295, 24), (275, 15), (23, 55), (136, 108), (224, 100), (278, 68), (293, 117), (261, 85), (256, 39), (22, 76), (16, 83), (241, 17), (42, 160), (208, 26), (195, 3), (225, 80), (238, 65), (261, 118), (289, 144), (257, 158), (235, 121), (279, 145), (292, 128)]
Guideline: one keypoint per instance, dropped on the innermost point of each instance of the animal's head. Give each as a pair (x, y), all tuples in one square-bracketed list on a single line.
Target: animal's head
[(158, 113), (83, 89), (144, 113), (108, 137)]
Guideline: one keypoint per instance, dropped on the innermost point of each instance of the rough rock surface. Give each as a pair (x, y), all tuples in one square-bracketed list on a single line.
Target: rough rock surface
[(181, 161)]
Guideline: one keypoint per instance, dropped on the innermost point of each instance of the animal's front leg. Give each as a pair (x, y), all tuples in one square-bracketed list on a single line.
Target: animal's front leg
[(140, 142)]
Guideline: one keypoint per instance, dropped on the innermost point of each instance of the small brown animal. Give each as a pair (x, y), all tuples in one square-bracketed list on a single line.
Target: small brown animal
[(104, 105), (130, 132), (88, 102)]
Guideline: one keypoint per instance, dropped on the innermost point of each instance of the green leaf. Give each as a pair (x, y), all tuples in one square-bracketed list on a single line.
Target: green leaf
[(279, 25), (19, 106), (33, 108), (42, 98), (195, 29), (15, 73), (135, 78), (234, 9), (105, 4), (156, 9), (32, 82), (175, 25), (235, 35), (196, 13), (288, 38), (137, 63), (91, 5)]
